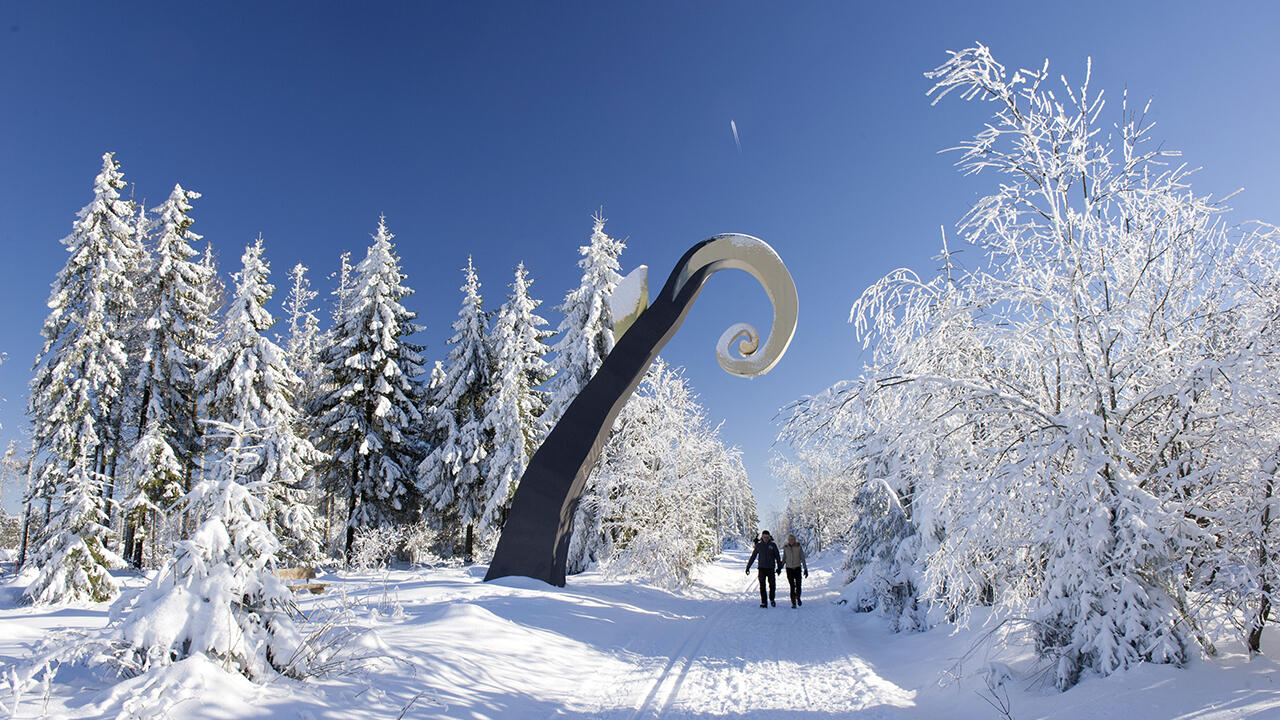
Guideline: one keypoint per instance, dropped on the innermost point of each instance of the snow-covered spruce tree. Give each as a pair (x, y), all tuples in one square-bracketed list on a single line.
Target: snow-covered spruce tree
[(305, 340), (512, 414), (213, 297), (369, 415), (585, 335), (79, 376), (248, 384), (452, 475), (332, 499), (584, 338), (303, 344), (218, 594), (1049, 419), (164, 454), (345, 277), (130, 326)]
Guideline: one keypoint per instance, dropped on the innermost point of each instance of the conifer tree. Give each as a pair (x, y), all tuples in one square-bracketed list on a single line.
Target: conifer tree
[(513, 413), (129, 322), (586, 332), (370, 412), (248, 384), (452, 475), (334, 488), (208, 331), (345, 277), (79, 375), (167, 434), (304, 341)]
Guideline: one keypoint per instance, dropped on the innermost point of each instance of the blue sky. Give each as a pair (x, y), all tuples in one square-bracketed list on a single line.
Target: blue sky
[(497, 129)]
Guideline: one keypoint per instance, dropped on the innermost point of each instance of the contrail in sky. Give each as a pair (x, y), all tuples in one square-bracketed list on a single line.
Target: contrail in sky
[(734, 127)]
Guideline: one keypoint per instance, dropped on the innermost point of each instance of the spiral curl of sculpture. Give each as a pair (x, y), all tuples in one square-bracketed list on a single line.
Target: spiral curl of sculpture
[(753, 255), (535, 540)]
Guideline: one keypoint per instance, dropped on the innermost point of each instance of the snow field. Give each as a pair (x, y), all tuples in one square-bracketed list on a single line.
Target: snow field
[(438, 643)]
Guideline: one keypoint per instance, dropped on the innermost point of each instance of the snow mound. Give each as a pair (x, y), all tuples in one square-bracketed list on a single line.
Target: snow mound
[(194, 687), (521, 583), (468, 615)]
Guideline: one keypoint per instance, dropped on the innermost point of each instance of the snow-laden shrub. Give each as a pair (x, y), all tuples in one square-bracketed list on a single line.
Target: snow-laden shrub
[(421, 541), (375, 547)]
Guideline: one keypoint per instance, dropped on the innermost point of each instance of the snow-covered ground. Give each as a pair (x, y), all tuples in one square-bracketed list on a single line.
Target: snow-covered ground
[(439, 643)]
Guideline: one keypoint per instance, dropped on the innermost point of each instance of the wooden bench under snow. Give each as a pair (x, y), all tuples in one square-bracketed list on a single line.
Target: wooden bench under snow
[(297, 579)]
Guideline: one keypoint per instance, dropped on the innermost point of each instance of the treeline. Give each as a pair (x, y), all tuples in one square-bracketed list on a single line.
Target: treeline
[(158, 388), (1077, 421)]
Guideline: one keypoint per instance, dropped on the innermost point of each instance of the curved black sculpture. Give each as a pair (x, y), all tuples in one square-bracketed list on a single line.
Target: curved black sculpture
[(535, 539)]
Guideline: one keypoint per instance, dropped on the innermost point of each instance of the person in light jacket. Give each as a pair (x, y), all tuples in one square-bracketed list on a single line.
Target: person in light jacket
[(793, 559), (770, 563)]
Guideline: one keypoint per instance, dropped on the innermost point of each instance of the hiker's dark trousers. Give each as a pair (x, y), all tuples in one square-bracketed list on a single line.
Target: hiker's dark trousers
[(767, 576), (793, 579)]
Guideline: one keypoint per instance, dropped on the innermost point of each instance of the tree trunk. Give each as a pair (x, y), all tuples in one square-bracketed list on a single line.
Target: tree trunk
[(155, 537), (26, 530), (1260, 622), (351, 514), (467, 556), (129, 533), (1254, 638)]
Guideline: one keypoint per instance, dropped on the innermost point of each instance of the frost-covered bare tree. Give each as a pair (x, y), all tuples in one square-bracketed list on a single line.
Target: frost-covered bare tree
[(667, 489), (1047, 422), (820, 493)]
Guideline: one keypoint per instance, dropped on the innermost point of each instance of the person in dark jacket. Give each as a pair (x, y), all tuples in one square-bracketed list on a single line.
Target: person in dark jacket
[(770, 564), (793, 558)]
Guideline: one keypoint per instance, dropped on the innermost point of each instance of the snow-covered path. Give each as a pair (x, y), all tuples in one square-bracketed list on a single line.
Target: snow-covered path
[(736, 659)]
